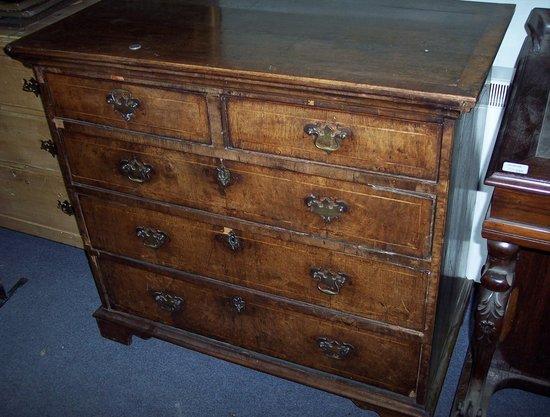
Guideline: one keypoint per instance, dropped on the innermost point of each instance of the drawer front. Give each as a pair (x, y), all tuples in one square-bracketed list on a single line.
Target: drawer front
[(21, 137), (374, 143), (158, 111), (348, 283), (260, 323), (12, 74), (324, 207), (519, 207), (31, 196)]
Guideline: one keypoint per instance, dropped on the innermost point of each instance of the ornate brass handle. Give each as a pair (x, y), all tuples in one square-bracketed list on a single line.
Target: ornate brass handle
[(327, 137), (135, 170), (238, 304), (167, 301), (151, 238), (328, 282), (123, 103), (334, 348), (326, 207)]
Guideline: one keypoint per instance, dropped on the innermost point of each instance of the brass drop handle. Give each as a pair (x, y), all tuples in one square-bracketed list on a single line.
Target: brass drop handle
[(66, 207), (123, 103), (150, 237), (135, 170), (223, 175), (233, 242), (327, 137), (238, 304), (333, 348), (328, 282), (31, 86), (167, 301), (326, 207), (49, 146)]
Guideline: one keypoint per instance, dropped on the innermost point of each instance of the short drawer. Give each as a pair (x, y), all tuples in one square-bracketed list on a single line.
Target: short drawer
[(363, 215), (172, 113), (263, 324), (372, 289), (365, 141)]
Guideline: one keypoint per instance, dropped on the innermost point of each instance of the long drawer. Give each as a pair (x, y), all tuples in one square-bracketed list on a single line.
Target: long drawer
[(172, 113), (29, 203), (382, 219), (12, 76), (261, 323), (368, 141), (372, 289), (21, 137)]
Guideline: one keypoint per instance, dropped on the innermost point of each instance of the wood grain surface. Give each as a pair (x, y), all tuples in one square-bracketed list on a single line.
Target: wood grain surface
[(388, 293), (20, 140), (165, 112), (266, 325), (391, 221), (28, 202), (376, 143), (433, 51)]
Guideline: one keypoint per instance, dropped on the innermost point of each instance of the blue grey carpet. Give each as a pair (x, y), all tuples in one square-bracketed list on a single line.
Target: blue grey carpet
[(54, 363)]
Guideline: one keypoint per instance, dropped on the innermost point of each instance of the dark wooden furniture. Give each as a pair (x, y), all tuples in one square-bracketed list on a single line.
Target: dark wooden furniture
[(271, 183), (510, 346)]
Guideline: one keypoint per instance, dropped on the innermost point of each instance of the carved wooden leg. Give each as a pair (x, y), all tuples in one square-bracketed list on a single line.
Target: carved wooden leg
[(496, 283), (113, 331)]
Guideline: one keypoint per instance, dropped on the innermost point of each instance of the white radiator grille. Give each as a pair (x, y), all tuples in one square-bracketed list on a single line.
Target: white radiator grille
[(497, 93), (499, 82)]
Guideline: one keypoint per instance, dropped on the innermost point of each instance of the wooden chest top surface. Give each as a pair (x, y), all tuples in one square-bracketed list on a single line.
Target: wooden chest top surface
[(422, 50)]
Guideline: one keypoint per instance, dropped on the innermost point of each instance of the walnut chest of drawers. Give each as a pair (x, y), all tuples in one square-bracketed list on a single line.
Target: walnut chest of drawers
[(287, 186)]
